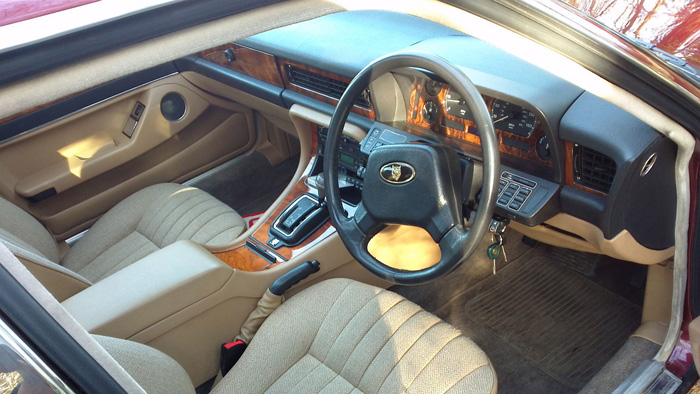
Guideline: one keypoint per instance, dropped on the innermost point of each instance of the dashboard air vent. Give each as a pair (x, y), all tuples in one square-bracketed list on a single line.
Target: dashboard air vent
[(329, 87), (593, 169)]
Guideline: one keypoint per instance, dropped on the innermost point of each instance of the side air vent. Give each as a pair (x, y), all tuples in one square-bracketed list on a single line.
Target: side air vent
[(593, 169), (329, 87)]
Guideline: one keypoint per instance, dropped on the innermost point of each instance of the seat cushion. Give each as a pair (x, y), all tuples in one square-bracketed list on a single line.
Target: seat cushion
[(153, 370), (341, 336), (147, 221)]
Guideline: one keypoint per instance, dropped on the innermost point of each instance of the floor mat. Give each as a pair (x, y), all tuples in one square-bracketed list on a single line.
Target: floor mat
[(252, 218), (562, 322), (248, 184)]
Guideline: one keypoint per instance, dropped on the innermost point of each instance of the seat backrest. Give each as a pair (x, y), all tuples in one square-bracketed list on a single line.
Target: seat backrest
[(32, 244), (22, 229), (153, 370)]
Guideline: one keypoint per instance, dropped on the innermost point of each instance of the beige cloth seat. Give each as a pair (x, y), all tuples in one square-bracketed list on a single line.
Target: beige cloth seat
[(340, 336), (141, 224), (153, 370)]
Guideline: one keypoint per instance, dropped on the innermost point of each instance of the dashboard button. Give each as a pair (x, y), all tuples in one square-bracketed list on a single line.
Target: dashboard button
[(524, 181), (515, 205)]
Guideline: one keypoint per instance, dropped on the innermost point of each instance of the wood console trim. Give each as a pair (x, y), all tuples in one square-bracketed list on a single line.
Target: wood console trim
[(42, 106), (570, 172), (418, 99), (242, 258), (262, 235), (254, 63), (285, 63)]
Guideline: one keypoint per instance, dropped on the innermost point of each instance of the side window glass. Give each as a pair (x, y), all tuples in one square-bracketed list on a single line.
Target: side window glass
[(21, 371)]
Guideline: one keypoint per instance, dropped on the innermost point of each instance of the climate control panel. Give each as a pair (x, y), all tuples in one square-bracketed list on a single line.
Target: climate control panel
[(514, 190)]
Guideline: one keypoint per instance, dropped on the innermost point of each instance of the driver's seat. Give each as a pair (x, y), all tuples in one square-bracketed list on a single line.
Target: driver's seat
[(342, 336)]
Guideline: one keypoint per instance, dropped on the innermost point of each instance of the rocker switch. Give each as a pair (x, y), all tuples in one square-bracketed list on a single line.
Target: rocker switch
[(133, 120)]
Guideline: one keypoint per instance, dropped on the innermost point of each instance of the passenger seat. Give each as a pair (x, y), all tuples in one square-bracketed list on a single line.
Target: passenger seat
[(143, 223)]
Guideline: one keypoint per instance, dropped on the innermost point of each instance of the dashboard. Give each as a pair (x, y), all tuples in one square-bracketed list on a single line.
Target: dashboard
[(563, 150)]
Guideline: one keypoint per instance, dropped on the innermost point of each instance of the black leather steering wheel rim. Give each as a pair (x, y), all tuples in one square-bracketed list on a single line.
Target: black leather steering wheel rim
[(456, 244)]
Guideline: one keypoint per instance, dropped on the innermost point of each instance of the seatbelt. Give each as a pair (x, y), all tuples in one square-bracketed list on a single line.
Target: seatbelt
[(268, 303)]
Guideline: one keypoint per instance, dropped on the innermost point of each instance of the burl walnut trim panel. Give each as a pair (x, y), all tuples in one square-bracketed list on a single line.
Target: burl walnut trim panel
[(464, 137), (570, 171), (283, 69), (254, 63), (242, 258), (42, 106)]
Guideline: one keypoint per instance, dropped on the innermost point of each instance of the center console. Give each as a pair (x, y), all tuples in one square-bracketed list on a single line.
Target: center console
[(308, 211), (301, 220)]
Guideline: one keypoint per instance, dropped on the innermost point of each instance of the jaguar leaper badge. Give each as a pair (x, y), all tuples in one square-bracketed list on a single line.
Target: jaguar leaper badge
[(397, 173)]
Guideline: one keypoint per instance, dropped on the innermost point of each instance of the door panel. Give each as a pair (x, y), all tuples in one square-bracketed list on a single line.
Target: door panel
[(85, 163)]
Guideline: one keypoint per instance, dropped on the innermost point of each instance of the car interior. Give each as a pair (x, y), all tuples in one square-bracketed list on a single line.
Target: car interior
[(457, 218)]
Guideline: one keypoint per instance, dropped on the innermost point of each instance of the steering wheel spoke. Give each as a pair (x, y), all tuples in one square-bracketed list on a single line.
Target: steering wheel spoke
[(364, 221)]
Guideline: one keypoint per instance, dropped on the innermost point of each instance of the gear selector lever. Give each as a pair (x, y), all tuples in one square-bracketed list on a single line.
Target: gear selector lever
[(301, 217)]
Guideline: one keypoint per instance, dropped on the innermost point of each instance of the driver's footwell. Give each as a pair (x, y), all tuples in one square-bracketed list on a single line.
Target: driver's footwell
[(545, 327)]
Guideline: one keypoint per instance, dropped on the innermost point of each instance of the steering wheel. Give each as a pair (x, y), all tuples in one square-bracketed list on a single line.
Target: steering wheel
[(417, 184)]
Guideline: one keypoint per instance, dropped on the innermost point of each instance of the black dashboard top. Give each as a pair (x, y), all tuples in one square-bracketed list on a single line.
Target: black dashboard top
[(345, 42)]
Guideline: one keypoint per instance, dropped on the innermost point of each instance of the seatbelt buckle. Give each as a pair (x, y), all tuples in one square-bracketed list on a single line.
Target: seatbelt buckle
[(230, 353)]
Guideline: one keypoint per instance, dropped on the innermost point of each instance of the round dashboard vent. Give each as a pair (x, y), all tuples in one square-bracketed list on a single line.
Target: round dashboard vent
[(173, 106)]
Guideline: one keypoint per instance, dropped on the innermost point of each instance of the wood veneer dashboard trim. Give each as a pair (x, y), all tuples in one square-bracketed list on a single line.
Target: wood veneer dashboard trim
[(38, 107), (254, 63), (242, 258)]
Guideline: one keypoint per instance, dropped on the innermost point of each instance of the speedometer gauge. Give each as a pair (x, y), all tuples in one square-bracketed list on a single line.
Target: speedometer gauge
[(513, 118), (456, 106)]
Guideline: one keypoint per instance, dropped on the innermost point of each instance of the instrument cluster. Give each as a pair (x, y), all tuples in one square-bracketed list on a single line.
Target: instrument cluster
[(440, 108), (504, 115)]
